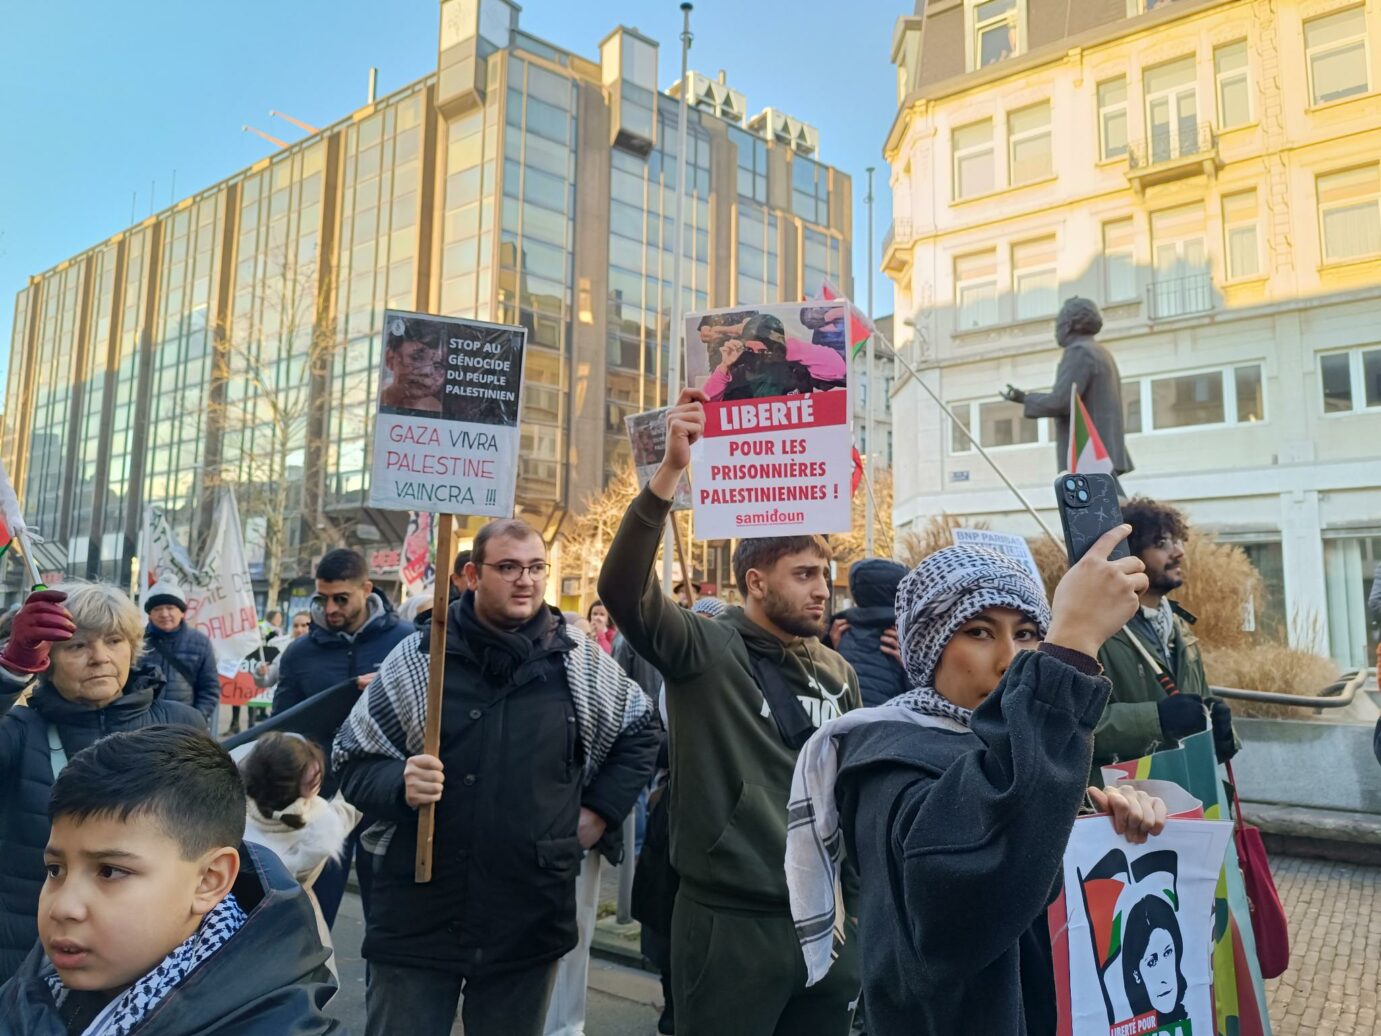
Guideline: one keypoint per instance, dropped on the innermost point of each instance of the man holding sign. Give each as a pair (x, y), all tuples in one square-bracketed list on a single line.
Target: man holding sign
[(545, 744), (744, 691)]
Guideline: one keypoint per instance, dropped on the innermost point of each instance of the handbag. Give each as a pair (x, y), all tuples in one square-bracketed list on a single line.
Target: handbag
[(1270, 927)]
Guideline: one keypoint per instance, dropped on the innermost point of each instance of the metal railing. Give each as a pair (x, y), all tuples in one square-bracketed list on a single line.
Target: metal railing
[(1337, 695), (1187, 140), (1179, 296)]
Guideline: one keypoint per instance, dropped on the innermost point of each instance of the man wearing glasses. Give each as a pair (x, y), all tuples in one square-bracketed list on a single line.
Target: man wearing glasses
[(354, 627), (545, 745), (1159, 691)]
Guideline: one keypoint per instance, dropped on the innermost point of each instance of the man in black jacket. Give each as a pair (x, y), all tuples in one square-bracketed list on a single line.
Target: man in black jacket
[(545, 744), (182, 654), (866, 634), (354, 627)]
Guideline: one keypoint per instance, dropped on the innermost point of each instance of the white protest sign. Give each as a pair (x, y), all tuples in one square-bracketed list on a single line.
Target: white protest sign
[(777, 454), (647, 434), (1007, 543), (446, 434), (1135, 954), (219, 591)]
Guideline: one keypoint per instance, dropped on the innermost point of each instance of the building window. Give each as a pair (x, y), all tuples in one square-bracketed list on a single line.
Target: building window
[(1034, 278), (998, 422), (1234, 88), (1350, 213), (958, 441), (1112, 117), (1131, 407), (1351, 381), (1240, 243), (994, 31), (1231, 395), (1335, 48), (1182, 283), (1028, 144), (973, 159), (975, 289), (752, 164), (1119, 266), (1172, 110)]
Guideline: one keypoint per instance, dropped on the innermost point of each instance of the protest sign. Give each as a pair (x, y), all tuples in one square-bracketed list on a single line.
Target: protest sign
[(776, 456), (647, 434), (1015, 547), (219, 592), (1239, 993), (1133, 929), (446, 432), (416, 569)]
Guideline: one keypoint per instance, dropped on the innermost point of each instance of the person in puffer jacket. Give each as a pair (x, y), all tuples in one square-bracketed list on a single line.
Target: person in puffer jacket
[(77, 646), (873, 587), (184, 655)]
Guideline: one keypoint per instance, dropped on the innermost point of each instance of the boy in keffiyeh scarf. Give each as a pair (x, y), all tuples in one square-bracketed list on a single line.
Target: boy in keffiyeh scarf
[(957, 798), (154, 920)]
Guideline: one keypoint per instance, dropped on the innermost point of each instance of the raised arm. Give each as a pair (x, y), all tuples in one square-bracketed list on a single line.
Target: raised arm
[(673, 640), (1075, 371)]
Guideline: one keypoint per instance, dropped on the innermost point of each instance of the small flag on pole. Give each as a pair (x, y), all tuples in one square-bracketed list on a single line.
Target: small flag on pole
[(1086, 450), (860, 327), (11, 522), (857, 476)]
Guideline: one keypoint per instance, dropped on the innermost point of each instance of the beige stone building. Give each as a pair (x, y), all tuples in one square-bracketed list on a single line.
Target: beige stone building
[(1207, 171)]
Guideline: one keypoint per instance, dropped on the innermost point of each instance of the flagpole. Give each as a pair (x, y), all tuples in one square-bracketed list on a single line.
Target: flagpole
[(915, 374), (871, 388)]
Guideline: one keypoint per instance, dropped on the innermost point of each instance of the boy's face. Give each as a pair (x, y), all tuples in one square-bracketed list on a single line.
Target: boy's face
[(120, 897)]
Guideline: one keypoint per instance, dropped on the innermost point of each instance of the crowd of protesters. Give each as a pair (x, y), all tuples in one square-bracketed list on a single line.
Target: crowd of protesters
[(814, 791)]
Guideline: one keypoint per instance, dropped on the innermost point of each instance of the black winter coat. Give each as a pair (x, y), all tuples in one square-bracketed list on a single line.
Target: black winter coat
[(324, 659), (270, 979), (873, 587), (194, 653), (506, 851), (26, 782), (959, 839)]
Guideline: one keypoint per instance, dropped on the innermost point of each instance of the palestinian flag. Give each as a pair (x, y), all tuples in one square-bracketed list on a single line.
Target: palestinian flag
[(860, 327), (1086, 450), (857, 477), (11, 521)]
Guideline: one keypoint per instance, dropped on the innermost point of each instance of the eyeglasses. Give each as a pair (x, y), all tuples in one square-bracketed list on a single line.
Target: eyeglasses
[(509, 571), (339, 600)]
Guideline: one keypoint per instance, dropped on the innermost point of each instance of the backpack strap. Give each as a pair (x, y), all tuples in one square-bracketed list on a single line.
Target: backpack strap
[(793, 722), (57, 755)]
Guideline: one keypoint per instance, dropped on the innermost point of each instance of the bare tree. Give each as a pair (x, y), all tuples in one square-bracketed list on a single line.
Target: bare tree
[(850, 546), (276, 360)]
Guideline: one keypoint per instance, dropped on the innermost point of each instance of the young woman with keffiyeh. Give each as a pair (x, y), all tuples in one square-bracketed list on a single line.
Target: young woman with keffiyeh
[(956, 799)]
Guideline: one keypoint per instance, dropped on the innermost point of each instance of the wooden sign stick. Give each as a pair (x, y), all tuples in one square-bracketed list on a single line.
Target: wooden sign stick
[(681, 553), (436, 676)]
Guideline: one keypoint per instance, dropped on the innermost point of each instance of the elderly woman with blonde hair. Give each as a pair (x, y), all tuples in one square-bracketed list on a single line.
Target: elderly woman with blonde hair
[(76, 649)]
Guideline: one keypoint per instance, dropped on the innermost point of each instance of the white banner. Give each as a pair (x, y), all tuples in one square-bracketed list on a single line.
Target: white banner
[(1007, 543), (219, 592), (446, 436)]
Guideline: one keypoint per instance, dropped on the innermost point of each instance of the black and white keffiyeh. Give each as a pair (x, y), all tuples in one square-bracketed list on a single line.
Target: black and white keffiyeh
[(124, 1014), (934, 600), (389, 719)]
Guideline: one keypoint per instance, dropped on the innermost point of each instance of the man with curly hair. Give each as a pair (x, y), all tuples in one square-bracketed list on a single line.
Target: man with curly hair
[(1159, 691)]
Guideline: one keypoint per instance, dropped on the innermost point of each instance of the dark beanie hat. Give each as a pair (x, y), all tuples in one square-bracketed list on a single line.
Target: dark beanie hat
[(873, 582)]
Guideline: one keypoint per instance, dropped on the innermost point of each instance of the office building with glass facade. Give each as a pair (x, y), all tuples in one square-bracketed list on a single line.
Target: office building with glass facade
[(234, 338)]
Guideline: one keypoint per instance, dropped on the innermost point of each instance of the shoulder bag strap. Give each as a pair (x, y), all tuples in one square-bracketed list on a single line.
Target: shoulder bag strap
[(165, 649), (1166, 681), (793, 722)]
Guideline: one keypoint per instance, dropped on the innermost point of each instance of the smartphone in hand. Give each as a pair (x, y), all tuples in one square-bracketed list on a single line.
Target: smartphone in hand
[(1088, 508)]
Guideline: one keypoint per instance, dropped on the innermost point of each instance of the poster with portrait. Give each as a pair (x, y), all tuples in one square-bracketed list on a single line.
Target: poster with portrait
[(776, 456), (1133, 930), (647, 435), (446, 432)]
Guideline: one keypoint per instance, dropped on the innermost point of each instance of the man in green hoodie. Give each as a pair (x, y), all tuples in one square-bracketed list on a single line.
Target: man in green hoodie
[(744, 690)]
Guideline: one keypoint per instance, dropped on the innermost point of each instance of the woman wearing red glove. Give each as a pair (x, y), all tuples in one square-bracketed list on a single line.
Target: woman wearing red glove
[(77, 646)]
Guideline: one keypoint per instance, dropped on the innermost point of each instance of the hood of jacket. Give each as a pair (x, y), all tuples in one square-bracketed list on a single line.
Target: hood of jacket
[(142, 687), (1079, 318), (270, 977), (382, 617), (799, 660), (873, 582), (302, 849)]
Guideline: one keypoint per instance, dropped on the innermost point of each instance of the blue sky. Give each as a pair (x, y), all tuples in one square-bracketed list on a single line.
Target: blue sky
[(104, 100)]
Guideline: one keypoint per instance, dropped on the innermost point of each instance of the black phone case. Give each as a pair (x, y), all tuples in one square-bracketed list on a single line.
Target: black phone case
[(1085, 522)]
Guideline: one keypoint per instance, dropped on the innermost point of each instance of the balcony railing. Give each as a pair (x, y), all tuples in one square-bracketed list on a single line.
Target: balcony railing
[(896, 243), (1179, 296), (1185, 149)]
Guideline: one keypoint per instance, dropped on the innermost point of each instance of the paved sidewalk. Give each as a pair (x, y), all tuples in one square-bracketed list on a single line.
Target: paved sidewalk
[(1334, 979)]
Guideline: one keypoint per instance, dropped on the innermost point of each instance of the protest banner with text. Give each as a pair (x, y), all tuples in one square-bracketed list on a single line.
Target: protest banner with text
[(446, 433), (219, 592), (776, 456), (647, 435)]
